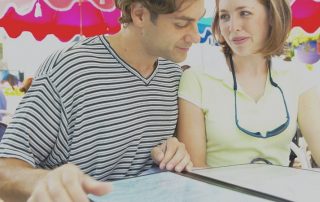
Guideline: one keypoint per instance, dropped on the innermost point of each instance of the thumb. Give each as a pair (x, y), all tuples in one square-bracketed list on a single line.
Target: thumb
[(95, 187), (157, 154)]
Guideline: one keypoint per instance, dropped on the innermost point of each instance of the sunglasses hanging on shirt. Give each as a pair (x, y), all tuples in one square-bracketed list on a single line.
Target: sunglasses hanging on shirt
[(270, 133)]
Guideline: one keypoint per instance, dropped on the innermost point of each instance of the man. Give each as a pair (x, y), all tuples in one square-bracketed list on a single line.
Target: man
[(98, 108)]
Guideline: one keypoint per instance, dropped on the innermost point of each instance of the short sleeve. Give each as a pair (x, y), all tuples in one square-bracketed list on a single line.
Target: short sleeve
[(306, 79), (190, 87), (299, 77), (33, 131)]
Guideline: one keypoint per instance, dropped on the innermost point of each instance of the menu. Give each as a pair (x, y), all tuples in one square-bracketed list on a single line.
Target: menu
[(171, 187)]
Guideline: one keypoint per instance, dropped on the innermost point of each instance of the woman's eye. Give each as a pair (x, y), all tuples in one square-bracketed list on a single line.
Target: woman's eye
[(224, 17), (244, 13)]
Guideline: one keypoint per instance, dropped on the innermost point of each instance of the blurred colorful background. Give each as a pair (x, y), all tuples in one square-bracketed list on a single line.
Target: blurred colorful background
[(32, 29)]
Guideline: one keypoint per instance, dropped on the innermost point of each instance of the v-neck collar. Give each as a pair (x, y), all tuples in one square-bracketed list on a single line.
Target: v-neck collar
[(126, 65)]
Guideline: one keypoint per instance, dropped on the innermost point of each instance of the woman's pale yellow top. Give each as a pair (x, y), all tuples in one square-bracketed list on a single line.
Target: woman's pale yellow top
[(212, 91)]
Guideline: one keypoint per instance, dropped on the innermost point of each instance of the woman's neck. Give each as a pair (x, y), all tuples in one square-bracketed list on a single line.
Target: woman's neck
[(251, 73), (250, 65)]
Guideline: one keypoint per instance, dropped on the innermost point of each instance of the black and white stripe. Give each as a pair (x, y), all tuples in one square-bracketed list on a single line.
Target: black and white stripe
[(88, 107)]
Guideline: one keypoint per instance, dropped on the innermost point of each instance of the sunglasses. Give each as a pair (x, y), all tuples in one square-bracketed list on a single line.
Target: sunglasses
[(267, 134)]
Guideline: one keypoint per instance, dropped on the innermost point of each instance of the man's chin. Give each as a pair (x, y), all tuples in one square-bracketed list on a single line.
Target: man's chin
[(177, 59)]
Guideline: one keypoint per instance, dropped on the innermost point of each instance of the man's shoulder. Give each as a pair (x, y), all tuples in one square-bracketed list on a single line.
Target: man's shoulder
[(72, 55), (167, 65), (84, 46)]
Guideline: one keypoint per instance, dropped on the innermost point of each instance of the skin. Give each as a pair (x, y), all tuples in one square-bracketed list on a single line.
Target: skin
[(148, 40), (308, 119), (238, 24), (181, 31), (139, 44), (238, 21)]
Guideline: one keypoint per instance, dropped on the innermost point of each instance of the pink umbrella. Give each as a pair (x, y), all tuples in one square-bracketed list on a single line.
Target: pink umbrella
[(64, 19), (105, 5), (21, 6)]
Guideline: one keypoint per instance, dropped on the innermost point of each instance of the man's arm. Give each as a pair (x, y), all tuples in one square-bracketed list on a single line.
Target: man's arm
[(20, 182), (17, 179)]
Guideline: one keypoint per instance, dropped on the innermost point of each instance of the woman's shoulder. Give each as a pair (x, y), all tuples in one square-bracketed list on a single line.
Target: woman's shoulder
[(199, 74), (194, 71), (298, 74), (293, 68)]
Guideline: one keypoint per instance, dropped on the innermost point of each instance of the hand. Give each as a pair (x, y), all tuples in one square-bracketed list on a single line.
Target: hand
[(67, 183), (172, 155)]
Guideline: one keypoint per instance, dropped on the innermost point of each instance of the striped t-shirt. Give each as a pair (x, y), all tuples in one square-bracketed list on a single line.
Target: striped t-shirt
[(88, 107)]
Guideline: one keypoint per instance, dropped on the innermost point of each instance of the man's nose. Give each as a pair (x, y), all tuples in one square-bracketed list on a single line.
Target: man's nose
[(193, 36)]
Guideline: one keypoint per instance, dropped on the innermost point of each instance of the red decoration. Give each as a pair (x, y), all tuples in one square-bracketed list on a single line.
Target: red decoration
[(82, 18), (306, 14)]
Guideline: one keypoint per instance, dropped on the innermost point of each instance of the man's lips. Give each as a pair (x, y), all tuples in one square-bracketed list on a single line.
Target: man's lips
[(184, 49)]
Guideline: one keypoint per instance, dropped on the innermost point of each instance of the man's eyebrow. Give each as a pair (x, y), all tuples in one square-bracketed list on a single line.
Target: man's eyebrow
[(186, 18)]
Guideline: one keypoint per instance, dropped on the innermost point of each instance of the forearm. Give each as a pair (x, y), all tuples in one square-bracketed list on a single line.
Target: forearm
[(312, 136), (315, 152), (17, 180), (191, 132), (308, 118), (317, 160)]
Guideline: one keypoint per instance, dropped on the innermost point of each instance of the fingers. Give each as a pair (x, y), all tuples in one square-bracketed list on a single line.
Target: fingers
[(175, 157), (170, 150), (157, 154), (72, 183), (95, 187), (67, 184), (178, 160), (56, 189), (40, 193), (185, 164)]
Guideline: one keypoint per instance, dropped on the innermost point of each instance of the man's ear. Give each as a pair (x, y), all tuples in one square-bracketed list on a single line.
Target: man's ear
[(139, 14)]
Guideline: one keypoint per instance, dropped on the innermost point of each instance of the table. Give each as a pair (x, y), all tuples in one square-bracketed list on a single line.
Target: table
[(285, 182), (249, 182)]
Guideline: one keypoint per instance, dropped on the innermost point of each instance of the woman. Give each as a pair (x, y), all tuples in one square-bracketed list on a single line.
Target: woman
[(248, 108)]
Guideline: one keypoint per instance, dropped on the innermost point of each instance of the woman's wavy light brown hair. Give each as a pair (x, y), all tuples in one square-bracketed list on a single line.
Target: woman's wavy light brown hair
[(155, 8), (279, 13)]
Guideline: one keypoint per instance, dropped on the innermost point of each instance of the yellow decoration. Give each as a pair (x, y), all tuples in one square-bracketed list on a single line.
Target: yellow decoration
[(12, 92)]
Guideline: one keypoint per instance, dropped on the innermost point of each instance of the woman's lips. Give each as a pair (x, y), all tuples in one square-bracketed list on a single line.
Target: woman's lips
[(240, 40)]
